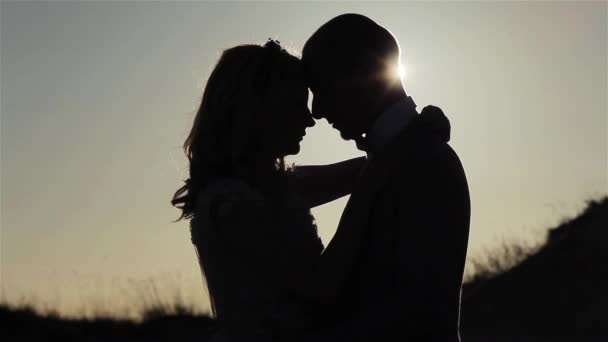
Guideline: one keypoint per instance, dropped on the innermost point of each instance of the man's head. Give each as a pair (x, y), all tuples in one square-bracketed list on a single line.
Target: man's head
[(351, 64)]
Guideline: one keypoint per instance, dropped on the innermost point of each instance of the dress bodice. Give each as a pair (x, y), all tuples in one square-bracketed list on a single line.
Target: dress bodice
[(245, 241)]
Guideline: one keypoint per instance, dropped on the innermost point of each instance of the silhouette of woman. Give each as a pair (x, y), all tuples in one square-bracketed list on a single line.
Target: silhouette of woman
[(249, 213)]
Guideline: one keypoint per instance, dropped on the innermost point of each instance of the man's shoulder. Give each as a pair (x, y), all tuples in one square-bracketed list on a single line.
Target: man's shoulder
[(428, 161)]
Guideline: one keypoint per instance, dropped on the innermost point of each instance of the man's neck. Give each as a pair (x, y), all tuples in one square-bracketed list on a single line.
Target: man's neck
[(390, 122), (391, 97)]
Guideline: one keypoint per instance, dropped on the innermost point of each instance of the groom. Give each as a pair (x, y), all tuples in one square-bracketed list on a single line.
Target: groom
[(413, 195)]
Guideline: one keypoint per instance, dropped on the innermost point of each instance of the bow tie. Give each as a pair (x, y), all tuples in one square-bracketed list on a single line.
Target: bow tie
[(433, 119)]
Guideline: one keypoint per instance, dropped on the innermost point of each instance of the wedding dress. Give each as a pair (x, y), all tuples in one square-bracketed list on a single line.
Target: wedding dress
[(251, 248)]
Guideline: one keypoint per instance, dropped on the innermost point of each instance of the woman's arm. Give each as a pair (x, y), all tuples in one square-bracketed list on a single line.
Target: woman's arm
[(320, 184), (247, 225), (332, 269)]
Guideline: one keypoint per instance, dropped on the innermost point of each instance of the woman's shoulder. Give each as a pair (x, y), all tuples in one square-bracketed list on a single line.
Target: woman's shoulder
[(232, 188), (228, 196), (226, 204)]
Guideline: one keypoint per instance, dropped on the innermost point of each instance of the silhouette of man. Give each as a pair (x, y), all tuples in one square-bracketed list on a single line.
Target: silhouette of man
[(412, 199)]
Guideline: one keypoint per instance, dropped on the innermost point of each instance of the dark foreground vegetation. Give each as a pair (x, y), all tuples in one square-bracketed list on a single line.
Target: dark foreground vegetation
[(23, 324), (557, 292)]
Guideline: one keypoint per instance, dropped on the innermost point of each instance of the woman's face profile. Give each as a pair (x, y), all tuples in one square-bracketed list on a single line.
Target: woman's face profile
[(291, 116)]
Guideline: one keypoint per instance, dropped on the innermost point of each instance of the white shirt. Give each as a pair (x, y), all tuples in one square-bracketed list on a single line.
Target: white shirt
[(388, 125)]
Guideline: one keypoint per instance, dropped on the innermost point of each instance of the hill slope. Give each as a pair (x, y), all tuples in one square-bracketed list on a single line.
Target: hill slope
[(558, 293)]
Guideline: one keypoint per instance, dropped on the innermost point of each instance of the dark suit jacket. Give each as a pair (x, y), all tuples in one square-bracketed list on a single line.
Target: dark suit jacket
[(407, 284)]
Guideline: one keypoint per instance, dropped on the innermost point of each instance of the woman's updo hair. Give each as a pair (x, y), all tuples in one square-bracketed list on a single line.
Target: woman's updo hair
[(231, 129)]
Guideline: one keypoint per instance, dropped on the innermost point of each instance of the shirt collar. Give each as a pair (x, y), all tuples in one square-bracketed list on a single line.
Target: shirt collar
[(392, 121)]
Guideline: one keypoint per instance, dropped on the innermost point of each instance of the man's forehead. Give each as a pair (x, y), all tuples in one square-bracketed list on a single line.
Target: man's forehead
[(311, 75), (318, 71)]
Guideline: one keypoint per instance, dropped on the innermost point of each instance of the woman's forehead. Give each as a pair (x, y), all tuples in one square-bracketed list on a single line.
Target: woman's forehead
[(292, 73)]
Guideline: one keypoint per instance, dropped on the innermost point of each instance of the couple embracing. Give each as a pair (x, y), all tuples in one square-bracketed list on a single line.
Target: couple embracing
[(394, 268)]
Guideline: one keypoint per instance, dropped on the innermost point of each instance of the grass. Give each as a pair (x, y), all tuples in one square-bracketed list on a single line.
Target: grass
[(555, 292), (158, 323), (551, 292)]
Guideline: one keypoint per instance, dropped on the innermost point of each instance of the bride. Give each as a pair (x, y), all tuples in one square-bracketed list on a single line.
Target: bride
[(257, 243)]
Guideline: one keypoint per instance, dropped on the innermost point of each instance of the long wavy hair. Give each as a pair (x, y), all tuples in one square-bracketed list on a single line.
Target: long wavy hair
[(233, 128)]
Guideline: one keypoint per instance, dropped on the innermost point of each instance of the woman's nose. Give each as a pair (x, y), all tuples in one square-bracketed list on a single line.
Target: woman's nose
[(316, 115), (310, 122), (316, 109)]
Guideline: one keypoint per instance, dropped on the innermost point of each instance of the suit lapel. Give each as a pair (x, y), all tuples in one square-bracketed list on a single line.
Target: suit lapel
[(376, 174)]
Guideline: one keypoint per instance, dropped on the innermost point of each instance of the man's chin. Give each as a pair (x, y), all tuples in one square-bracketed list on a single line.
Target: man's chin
[(347, 135)]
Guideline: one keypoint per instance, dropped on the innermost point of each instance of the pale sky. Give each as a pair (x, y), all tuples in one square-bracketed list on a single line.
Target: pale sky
[(97, 98)]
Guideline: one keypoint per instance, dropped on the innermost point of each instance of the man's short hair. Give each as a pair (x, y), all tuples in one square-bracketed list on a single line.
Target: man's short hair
[(351, 43)]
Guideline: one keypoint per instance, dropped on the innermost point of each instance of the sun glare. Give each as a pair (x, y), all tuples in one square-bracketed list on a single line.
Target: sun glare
[(401, 71), (397, 72)]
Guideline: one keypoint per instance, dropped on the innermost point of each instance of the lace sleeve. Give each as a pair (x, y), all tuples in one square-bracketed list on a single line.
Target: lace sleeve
[(221, 203), (219, 223)]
